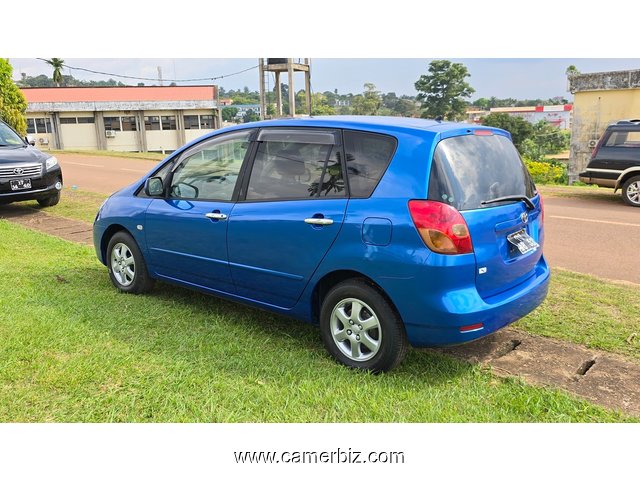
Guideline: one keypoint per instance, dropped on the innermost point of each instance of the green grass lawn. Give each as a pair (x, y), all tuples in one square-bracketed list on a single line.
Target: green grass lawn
[(73, 349), (75, 204), (592, 192), (590, 311)]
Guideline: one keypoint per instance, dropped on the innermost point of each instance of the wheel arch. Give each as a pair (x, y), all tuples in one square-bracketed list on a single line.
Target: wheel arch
[(106, 237), (625, 175), (331, 279)]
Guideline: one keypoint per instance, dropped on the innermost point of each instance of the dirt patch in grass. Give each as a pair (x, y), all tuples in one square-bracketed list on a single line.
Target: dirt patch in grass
[(602, 378)]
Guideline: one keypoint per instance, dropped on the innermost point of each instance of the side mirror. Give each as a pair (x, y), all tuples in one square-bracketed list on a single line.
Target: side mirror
[(30, 140), (153, 187)]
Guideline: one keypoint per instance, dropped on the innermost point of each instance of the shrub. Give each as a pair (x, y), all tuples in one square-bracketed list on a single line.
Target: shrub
[(547, 171)]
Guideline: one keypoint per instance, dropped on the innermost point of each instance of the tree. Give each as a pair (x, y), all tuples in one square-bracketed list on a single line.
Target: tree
[(571, 71), (368, 103), (57, 64), (545, 139), (320, 105), (518, 127), (229, 114), (13, 105), (251, 116), (443, 89)]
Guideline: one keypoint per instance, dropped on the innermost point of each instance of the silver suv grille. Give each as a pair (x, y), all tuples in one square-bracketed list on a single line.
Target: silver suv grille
[(14, 171)]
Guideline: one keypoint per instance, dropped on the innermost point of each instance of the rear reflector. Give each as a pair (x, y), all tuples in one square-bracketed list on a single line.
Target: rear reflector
[(471, 328), (441, 227), (483, 133)]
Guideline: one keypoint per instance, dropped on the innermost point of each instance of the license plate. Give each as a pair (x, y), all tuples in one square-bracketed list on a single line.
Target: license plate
[(22, 184), (522, 241)]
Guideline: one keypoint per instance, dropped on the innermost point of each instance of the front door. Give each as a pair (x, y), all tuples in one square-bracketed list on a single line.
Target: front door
[(293, 207), (186, 231)]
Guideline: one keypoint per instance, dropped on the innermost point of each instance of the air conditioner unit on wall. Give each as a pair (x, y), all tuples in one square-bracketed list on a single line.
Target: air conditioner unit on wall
[(593, 143), (110, 133)]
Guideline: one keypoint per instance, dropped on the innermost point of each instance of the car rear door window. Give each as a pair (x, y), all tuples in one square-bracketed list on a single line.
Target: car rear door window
[(368, 156), (296, 164), (210, 171)]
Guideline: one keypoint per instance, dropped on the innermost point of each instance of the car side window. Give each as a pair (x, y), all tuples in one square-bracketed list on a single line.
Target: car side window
[(368, 156), (211, 171), (296, 166)]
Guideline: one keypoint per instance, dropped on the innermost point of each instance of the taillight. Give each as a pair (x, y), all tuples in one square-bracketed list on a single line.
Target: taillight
[(442, 227), (594, 152)]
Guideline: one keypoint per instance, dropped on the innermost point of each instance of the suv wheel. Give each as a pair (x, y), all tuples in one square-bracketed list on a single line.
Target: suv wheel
[(50, 201), (127, 269), (631, 191), (360, 329)]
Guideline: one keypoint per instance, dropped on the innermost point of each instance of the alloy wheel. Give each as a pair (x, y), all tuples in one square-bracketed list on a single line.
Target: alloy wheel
[(123, 264), (355, 329)]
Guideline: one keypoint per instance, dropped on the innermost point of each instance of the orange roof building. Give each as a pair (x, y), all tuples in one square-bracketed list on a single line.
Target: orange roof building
[(147, 118)]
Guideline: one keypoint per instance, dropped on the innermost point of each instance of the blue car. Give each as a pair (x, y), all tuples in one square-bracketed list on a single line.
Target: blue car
[(385, 232)]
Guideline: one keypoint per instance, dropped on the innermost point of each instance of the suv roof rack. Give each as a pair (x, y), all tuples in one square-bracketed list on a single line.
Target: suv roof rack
[(634, 121)]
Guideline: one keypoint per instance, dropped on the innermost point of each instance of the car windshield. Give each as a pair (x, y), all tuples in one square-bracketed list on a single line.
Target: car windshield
[(9, 138), (471, 170)]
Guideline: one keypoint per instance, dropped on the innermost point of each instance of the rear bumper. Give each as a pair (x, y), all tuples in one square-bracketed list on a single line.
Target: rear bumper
[(465, 307)]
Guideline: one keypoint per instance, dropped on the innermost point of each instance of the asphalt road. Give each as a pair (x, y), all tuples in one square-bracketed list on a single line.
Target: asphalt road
[(588, 235)]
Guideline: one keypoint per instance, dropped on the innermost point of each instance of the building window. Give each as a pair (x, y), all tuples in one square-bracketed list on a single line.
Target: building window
[(152, 123), (31, 125), (68, 121), (112, 123), (86, 120), (43, 125), (191, 122), (168, 123), (129, 124), (206, 121)]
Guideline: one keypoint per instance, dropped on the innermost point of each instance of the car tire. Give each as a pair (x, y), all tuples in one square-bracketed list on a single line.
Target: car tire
[(631, 191), (50, 201), (127, 268), (360, 328)]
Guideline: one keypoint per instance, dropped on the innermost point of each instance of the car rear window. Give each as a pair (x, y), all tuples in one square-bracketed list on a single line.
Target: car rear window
[(368, 156), (470, 169), (624, 139)]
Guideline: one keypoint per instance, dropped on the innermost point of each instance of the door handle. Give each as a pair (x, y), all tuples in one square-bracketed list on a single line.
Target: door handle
[(318, 221), (216, 216)]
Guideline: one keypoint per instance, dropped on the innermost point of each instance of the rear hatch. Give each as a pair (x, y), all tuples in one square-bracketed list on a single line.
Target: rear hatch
[(481, 174)]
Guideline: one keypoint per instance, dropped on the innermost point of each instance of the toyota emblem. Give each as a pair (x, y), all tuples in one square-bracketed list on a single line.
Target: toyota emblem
[(524, 217), (18, 171)]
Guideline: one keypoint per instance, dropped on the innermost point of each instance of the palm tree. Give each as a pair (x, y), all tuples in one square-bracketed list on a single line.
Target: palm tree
[(57, 64)]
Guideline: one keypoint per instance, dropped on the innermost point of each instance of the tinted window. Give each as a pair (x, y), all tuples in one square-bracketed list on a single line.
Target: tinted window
[(210, 172), (623, 139), (469, 169), (289, 168), (368, 156), (31, 125), (152, 123), (8, 136), (129, 124), (112, 123), (191, 122)]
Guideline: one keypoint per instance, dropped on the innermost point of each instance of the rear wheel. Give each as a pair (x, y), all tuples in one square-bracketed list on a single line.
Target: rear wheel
[(631, 191), (360, 329), (50, 201), (127, 269)]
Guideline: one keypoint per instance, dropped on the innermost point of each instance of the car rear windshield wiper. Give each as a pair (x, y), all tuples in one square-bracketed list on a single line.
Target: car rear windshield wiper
[(523, 198)]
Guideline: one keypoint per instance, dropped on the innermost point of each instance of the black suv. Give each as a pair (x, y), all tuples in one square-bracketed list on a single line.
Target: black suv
[(615, 161), (26, 173)]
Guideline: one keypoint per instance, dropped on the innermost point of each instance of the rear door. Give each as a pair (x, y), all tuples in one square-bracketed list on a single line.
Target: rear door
[(469, 170), (293, 208)]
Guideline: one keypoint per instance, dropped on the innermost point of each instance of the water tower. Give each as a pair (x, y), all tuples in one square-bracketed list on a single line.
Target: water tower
[(290, 66)]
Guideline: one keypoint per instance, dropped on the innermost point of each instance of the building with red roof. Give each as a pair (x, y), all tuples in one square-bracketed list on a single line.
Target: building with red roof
[(137, 119)]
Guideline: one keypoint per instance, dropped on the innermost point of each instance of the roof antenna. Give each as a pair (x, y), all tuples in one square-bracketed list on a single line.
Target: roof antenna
[(439, 118)]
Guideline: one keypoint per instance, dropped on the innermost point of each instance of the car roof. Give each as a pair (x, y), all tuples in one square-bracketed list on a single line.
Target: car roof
[(363, 122)]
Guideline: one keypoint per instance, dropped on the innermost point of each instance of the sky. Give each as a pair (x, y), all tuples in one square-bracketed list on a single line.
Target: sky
[(499, 77)]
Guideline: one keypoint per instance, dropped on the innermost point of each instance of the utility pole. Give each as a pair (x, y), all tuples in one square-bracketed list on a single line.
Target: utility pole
[(160, 75)]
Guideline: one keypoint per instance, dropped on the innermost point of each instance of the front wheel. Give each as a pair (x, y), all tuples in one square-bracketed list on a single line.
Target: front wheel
[(631, 191), (127, 269), (360, 329), (50, 201)]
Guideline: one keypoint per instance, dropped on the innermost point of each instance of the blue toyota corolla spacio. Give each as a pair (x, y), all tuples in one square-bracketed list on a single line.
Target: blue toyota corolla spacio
[(383, 231)]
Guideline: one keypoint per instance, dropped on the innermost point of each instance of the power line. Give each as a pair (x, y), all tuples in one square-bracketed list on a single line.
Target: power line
[(155, 79)]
